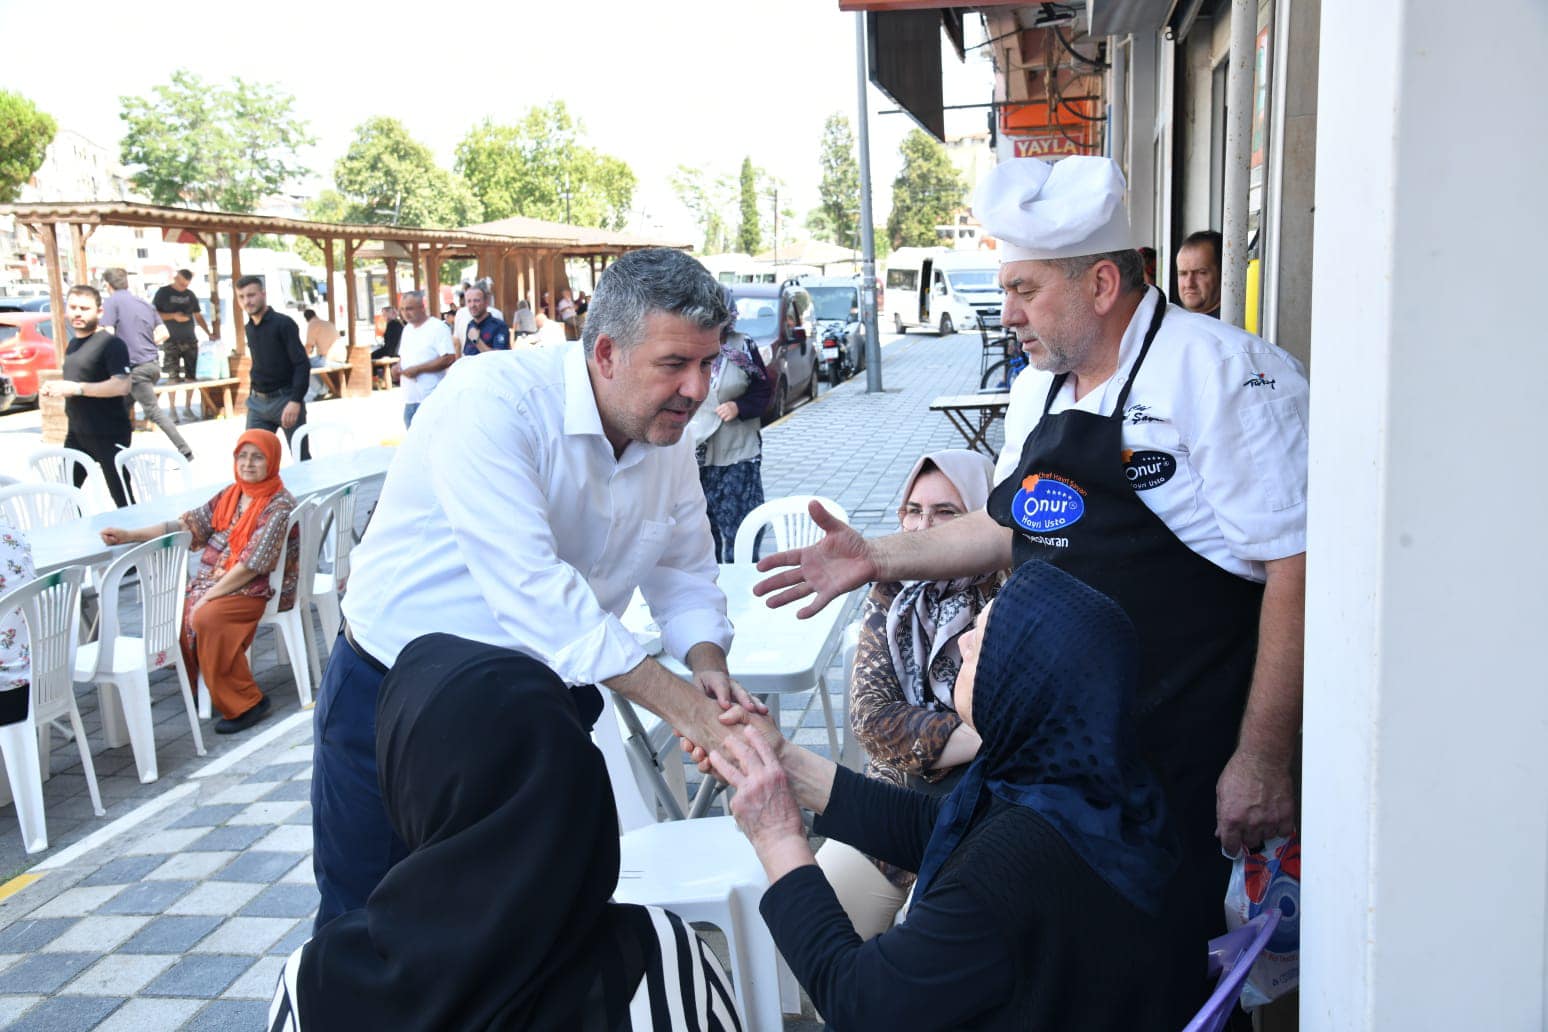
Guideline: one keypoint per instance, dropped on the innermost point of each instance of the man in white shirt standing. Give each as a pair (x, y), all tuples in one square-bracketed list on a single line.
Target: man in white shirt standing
[(542, 487), (425, 352)]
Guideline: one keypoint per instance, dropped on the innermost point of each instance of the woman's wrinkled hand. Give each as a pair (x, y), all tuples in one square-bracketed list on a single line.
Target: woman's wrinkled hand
[(764, 805)]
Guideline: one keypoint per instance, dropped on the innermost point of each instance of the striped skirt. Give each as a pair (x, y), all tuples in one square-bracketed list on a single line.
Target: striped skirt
[(683, 989)]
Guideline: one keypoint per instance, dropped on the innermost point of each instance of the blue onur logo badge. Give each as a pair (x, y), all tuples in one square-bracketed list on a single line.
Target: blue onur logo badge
[(1044, 505)]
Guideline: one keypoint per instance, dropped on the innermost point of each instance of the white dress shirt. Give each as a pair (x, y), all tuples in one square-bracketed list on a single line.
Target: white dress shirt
[(505, 518), (420, 344), (1229, 408)]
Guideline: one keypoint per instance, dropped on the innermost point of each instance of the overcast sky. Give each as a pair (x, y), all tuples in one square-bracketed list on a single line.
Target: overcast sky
[(695, 82)]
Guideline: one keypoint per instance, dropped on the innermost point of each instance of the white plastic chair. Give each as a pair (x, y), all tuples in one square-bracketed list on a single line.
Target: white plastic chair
[(851, 755), (148, 473), (791, 524), (793, 527), (120, 664), (49, 607), (34, 506), (334, 439), (291, 634), (702, 870), (56, 465), (336, 520)]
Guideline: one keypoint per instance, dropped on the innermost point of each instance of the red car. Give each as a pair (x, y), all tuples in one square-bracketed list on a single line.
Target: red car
[(27, 347)]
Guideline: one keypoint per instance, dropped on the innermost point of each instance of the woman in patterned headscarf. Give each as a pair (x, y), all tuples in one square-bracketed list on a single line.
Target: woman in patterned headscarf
[(900, 701)]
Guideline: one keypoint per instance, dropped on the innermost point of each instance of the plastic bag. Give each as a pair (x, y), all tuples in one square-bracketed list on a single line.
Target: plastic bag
[(1261, 881)]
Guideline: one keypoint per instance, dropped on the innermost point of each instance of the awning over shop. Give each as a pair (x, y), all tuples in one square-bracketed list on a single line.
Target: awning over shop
[(1121, 17)]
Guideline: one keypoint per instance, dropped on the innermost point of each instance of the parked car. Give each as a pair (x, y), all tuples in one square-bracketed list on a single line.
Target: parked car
[(26, 348), (32, 303), (780, 320), (840, 333)]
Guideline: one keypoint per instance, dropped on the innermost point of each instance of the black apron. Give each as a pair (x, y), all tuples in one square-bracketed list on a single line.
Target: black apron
[(1074, 502)]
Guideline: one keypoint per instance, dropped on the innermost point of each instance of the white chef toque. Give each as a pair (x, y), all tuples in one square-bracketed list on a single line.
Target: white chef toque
[(1037, 210)]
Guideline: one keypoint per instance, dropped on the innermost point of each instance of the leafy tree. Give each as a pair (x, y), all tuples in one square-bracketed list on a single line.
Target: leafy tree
[(839, 187), (25, 133), (749, 234), (927, 192), (527, 168), (391, 179), (209, 145), (709, 201)]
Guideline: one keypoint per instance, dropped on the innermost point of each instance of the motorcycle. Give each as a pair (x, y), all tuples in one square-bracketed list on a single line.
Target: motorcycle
[(842, 351)]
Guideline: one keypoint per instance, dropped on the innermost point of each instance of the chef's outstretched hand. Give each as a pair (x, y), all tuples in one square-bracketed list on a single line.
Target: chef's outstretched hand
[(839, 563)]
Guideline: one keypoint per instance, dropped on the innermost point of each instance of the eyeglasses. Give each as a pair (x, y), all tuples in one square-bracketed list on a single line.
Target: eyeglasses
[(914, 516)]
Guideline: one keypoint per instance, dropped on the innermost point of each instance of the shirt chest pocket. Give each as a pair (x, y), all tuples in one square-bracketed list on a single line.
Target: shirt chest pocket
[(646, 548)]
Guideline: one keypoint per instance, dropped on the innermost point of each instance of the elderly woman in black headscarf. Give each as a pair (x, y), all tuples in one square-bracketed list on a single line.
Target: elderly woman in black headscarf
[(499, 917), (1040, 876)]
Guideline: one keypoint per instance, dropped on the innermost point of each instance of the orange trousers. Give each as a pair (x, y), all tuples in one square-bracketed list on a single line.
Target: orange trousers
[(215, 641)]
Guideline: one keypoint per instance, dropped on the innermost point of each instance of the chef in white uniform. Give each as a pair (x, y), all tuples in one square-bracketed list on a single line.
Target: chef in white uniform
[(1160, 456)]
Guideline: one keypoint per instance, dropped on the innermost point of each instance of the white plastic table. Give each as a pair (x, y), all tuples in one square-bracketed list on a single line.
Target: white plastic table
[(79, 542), (773, 652)]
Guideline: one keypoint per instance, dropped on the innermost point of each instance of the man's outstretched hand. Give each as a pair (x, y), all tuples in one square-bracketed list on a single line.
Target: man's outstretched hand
[(839, 563)]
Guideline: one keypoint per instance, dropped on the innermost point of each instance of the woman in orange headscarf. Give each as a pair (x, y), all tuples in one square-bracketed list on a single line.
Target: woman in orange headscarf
[(242, 533)]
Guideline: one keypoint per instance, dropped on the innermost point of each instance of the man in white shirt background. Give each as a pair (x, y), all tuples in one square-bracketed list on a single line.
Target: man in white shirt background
[(541, 487), (425, 352)]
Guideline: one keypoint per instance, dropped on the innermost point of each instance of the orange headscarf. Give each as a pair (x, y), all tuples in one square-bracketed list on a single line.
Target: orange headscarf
[(258, 494)]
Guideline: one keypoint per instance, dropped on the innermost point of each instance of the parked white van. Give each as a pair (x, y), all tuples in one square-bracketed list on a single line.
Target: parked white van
[(944, 290)]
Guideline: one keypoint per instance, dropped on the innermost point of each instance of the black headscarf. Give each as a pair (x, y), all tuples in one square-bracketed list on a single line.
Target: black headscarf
[(1052, 701), (499, 917)]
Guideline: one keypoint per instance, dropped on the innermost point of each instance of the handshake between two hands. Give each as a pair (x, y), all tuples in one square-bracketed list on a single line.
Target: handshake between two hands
[(747, 758)]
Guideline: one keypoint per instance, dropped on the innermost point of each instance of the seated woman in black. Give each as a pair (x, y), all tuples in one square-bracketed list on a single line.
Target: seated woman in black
[(499, 917), (1040, 876)]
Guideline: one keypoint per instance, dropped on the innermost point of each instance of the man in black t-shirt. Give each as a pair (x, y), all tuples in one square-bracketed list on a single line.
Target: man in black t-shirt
[(179, 309), (96, 381)]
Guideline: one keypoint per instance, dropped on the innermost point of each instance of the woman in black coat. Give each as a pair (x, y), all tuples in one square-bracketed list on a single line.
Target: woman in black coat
[(1040, 876)]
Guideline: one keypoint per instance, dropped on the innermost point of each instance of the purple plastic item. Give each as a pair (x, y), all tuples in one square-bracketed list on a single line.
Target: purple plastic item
[(1231, 956)]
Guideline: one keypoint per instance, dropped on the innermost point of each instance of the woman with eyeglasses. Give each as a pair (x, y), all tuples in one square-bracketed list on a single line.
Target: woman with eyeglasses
[(900, 691)]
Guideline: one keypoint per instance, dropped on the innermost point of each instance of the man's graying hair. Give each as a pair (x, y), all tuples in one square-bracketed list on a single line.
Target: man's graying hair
[(656, 279), (1131, 267)]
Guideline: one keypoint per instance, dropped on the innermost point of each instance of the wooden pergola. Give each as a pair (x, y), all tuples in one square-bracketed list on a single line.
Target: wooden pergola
[(522, 256)]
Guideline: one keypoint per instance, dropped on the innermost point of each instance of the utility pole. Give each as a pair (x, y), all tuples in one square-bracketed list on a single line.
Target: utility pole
[(873, 374)]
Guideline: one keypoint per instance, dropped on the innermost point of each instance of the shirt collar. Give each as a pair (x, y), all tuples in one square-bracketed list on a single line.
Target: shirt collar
[(581, 415)]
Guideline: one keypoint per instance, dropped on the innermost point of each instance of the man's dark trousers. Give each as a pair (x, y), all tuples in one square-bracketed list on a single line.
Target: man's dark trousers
[(353, 844), (265, 411)]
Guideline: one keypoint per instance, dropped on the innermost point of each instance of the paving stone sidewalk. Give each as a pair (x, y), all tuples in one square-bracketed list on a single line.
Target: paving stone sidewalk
[(183, 920)]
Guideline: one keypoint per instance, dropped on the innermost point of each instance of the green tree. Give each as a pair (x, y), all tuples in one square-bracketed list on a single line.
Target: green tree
[(391, 179), (927, 192), (839, 188), (529, 168), (749, 233), (210, 145), (25, 133), (710, 200)]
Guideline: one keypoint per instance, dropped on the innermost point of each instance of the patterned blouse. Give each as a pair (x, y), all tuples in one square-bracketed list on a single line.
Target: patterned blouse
[(261, 554), (15, 570)]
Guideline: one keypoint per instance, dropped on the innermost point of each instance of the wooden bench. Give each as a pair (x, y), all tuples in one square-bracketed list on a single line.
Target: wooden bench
[(216, 397), (973, 415), (381, 372), (334, 376)]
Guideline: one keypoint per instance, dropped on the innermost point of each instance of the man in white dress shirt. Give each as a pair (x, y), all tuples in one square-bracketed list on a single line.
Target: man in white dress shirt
[(1159, 456), (538, 489)]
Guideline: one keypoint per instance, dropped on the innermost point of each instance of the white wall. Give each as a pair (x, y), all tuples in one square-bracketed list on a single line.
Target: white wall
[(1426, 731)]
